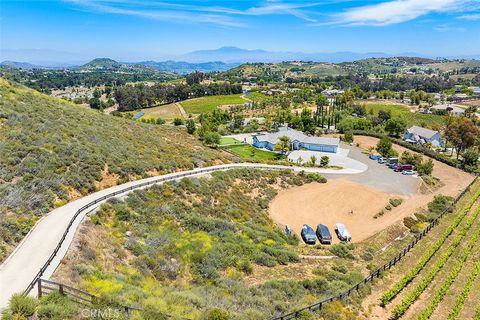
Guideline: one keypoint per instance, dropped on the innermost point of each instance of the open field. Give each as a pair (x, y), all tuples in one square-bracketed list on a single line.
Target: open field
[(208, 104), (439, 278), (167, 112), (411, 118), (249, 153)]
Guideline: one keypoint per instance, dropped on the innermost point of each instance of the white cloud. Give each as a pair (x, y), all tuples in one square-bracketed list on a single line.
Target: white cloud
[(473, 16), (177, 11), (397, 11)]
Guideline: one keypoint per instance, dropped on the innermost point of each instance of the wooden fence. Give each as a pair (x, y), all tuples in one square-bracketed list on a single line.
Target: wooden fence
[(375, 274), (78, 296)]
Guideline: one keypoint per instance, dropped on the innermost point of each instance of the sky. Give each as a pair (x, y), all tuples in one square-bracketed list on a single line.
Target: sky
[(133, 30)]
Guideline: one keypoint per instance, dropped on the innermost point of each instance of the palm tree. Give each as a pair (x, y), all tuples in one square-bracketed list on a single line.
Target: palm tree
[(284, 145)]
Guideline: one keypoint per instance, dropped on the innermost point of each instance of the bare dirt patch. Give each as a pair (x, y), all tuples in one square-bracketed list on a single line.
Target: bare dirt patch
[(331, 203)]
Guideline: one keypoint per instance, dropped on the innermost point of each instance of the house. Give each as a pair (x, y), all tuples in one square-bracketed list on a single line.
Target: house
[(419, 135), (449, 108), (476, 91), (331, 92), (299, 141), (458, 96)]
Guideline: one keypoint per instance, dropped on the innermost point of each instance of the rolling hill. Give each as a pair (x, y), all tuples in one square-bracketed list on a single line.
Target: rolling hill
[(53, 151)]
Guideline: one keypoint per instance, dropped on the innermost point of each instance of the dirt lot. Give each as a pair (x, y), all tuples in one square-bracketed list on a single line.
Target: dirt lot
[(332, 202)]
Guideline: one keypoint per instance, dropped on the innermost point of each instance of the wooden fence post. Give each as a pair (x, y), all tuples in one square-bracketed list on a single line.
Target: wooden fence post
[(60, 288), (39, 288)]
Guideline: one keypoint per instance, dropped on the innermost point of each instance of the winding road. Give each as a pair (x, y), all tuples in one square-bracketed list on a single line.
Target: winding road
[(49, 239)]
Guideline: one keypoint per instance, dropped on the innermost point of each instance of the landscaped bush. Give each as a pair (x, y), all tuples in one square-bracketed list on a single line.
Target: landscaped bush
[(342, 250)]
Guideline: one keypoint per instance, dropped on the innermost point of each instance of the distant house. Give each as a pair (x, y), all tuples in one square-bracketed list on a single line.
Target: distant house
[(476, 91), (419, 135), (331, 92), (299, 141), (459, 96), (449, 108), (138, 115)]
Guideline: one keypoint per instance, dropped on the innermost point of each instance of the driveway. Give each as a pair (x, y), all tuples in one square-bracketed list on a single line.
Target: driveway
[(379, 175), (340, 158)]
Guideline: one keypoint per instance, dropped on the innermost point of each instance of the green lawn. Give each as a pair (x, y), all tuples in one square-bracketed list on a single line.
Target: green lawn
[(244, 151), (228, 140), (208, 104), (419, 119)]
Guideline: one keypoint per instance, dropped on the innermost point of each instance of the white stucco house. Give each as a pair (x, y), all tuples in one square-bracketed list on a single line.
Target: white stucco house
[(419, 135)]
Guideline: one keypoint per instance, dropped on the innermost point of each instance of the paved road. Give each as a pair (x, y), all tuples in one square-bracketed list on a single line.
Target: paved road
[(21, 267)]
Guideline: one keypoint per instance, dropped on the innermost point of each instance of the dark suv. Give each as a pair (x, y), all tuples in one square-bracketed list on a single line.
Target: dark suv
[(323, 234), (308, 235)]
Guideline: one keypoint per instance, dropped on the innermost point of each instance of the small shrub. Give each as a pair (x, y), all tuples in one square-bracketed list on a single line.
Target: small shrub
[(395, 201), (215, 314), (20, 307), (388, 207), (342, 250)]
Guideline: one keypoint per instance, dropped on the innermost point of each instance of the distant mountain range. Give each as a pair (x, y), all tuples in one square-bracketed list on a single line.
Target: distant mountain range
[(98, 64), (238, 55), (221, 59)]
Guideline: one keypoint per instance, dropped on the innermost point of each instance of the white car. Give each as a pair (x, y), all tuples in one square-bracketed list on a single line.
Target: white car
[(342, 232), (408, 172)]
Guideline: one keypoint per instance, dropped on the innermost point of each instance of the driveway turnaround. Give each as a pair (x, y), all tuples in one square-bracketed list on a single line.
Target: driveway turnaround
[(40, 244)]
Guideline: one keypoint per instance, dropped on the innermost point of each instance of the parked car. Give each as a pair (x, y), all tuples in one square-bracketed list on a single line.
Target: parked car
[(391, 162), (342, 232), (409, 172), (375, 156), (382, 160), (308, 235), (323, 234), (401, 167)]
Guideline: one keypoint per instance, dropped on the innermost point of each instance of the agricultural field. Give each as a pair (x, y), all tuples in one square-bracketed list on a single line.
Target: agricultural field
[(439, 278), (54, 152), (167, 112), (411, 118), (208, 104)]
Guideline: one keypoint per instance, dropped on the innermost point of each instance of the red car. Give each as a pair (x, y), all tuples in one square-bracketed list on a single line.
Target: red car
[(400, 167)]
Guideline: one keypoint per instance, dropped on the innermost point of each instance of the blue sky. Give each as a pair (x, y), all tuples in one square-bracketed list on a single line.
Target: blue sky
[(129, 30)]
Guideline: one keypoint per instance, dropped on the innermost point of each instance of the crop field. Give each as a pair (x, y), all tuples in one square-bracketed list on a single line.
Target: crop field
[(411, 118), (208, 104), (167, 112), (440, 278)]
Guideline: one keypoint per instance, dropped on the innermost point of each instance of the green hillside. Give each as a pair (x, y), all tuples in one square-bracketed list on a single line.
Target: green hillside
[(52, 151)]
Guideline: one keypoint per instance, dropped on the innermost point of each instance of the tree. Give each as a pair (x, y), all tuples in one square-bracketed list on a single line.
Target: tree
[(395, 126), (384, 115), (348, 137), (313, 161), (191, 126), (194, 78), (384, 147), (470, 159), (425, 168), (324, 161), (284, 145), (211, 138), (462, 133)]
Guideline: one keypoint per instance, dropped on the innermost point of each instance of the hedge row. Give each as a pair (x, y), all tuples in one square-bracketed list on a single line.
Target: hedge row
[(398, 287), (442, 291), (401, 308), (464, 294), (417, 148)]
